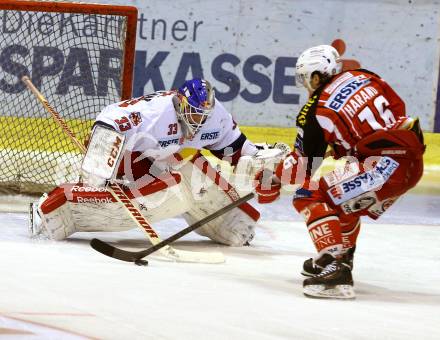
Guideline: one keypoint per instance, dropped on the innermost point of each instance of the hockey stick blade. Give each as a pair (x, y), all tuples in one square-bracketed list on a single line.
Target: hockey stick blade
[(163, 246)]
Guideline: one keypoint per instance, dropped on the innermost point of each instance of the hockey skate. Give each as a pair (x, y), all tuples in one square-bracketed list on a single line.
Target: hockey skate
[(36, 225), (314, 266), (335, 281)]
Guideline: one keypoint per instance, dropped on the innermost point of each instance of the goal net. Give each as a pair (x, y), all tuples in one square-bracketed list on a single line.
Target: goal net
[(80, 56)]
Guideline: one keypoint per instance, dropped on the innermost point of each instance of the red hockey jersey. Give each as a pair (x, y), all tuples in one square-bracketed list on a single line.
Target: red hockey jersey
[(351, 106)]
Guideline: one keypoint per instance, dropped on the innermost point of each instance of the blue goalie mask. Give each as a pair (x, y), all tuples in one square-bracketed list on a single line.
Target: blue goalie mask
[(194, 102)]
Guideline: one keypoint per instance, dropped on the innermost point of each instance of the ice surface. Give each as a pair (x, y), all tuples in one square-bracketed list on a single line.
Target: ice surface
[(256, 294)]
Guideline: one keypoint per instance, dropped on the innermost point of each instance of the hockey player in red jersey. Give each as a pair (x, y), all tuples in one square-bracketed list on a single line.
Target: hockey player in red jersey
[(361, 118)]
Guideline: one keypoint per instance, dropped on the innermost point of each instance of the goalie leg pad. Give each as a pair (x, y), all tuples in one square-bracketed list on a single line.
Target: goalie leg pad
[(59, 224), (232, 229), (211, 191), (75, 207), (56, 225)]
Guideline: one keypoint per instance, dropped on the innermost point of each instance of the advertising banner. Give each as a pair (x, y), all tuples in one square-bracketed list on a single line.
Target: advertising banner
[(248, 50)]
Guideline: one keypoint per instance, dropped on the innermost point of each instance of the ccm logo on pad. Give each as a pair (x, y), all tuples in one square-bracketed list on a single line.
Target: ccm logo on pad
[(114, 152)]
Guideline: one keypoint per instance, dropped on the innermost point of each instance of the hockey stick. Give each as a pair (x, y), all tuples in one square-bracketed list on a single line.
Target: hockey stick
[(120, 196), (136, 256)]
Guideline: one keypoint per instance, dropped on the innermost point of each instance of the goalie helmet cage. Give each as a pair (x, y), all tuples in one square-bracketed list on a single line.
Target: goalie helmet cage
[(80, 55)]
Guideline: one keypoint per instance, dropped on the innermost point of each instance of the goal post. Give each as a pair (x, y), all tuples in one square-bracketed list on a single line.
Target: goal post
[(81, 56)]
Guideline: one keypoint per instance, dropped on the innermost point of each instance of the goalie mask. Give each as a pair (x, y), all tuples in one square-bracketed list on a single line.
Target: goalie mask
[(193, 103), (323, 59)]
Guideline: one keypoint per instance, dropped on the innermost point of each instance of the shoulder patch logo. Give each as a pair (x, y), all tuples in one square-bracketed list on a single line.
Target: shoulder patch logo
[(135, 118)]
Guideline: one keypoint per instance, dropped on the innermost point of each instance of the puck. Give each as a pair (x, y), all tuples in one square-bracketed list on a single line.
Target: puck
[(141, 262)]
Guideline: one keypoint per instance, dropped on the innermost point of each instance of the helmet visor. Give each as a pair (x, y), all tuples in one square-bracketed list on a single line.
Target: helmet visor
[(191, 116)]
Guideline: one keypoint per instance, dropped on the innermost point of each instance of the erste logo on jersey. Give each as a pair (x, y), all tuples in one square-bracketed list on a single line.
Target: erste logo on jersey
[(166, 142), (210, 135), (348, 88)]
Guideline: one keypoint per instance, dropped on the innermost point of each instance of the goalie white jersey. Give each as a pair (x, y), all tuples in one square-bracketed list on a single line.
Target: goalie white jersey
[(151, 126)]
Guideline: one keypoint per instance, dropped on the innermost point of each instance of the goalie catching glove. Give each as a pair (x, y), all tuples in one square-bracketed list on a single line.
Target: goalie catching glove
[(267, 156), (290, 170), (268, 186)]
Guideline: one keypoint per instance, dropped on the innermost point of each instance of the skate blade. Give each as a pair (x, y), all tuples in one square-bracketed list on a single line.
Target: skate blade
[(304, 273), (36, 231), (31, 220), (334, 292)]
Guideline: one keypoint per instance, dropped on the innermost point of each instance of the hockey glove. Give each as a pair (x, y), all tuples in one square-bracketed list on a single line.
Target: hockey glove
[(267, 187)]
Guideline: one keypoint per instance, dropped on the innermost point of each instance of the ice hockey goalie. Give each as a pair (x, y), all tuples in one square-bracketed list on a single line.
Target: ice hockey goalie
[(137, 142)]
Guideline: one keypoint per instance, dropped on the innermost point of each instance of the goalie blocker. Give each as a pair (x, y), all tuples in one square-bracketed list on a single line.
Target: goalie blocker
[(103, 156), (195, 191)]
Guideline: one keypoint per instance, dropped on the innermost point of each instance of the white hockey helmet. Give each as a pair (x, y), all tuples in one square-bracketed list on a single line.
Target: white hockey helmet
[(324, 59)]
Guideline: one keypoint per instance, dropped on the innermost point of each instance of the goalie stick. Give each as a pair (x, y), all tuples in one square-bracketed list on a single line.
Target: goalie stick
[(121, 197), (136, 256)]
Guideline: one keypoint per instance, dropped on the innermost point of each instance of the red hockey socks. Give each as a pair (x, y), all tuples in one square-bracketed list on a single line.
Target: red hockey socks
[(324, 228), (350, 232)]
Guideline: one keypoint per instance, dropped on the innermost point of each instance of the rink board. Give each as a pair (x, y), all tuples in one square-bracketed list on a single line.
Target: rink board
[(45, 135), (32, 134), (40, 141), (42, 134)]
